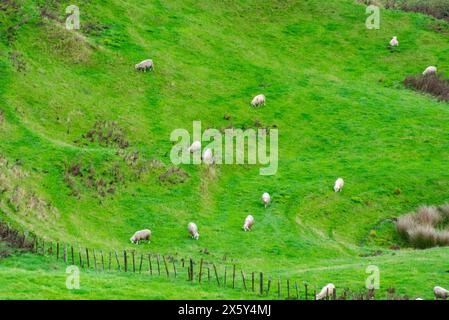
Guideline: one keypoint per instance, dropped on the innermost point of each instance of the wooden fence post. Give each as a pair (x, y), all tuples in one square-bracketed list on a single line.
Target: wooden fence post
[(87, 258), (71, 253), (268, 285), (216, 274), (80, 257), (224, 277), (149, 264), (252, 281), (140, 265), (158, 264), (261, 283), (166, 267), (65, 253), (244, 280), (102, 260), (191, 269), (125, 260), (288, 289), (208, 274), (174, 267), (109, 260), (297, 290), (134, 261), (118, 261), (57, 250), (233, 276), (95, 260), (279, 287), (201, 270), (306, 293)]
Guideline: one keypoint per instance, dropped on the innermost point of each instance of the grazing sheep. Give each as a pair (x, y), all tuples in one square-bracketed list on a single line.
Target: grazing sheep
[(249, 221), (339, 185), (193, 230), (145, 65), (266, 199), (208, 157), (440, 293), (430, 70), (327, 291), (418, 299), (394, 42), (141, 235), (196, 146), (258, 100)]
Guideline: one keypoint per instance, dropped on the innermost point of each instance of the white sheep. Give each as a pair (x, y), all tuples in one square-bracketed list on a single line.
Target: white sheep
[(394, 42), (145, 65), (249, 221), (196, 146), (266, 199), (339, 183), (327, 291), (440, 293), (208, 157), (141, 235), (430, 70), (258, 100), (193, 230)]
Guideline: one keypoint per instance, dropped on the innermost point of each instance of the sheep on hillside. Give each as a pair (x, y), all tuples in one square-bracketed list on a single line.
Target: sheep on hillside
[(258, 100), (440, 293), (196, 146), (140, 236), (266, 199), (394, 42), (208, 157), (249, 221), (430, 70), (326, 292), (145, 65), (339, 185), (193, 230)]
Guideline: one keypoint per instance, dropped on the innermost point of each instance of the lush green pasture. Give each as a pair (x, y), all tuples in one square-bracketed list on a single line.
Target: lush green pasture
[(334, 91)]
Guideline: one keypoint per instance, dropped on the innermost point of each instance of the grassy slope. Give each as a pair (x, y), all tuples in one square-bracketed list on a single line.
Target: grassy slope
[(333, 91), (46, 279)]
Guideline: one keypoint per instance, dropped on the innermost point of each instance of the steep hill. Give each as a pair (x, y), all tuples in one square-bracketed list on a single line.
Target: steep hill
[(87, 138)]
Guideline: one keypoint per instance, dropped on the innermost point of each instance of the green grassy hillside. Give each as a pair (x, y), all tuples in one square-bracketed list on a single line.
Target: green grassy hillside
[(334, 91)]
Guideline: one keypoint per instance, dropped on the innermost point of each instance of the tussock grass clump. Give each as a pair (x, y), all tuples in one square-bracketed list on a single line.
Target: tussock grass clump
[(432, 84), (426, 228)]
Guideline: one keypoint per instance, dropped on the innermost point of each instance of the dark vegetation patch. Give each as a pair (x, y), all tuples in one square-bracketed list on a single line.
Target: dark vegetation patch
[(107, 134), (254, 124), (12, 17), (17, 61), (102, 182), (2, 116), (436, 8), (11, 240), (17, 197), (427, 227), (432, 84), (173, 175), (94, 28)]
